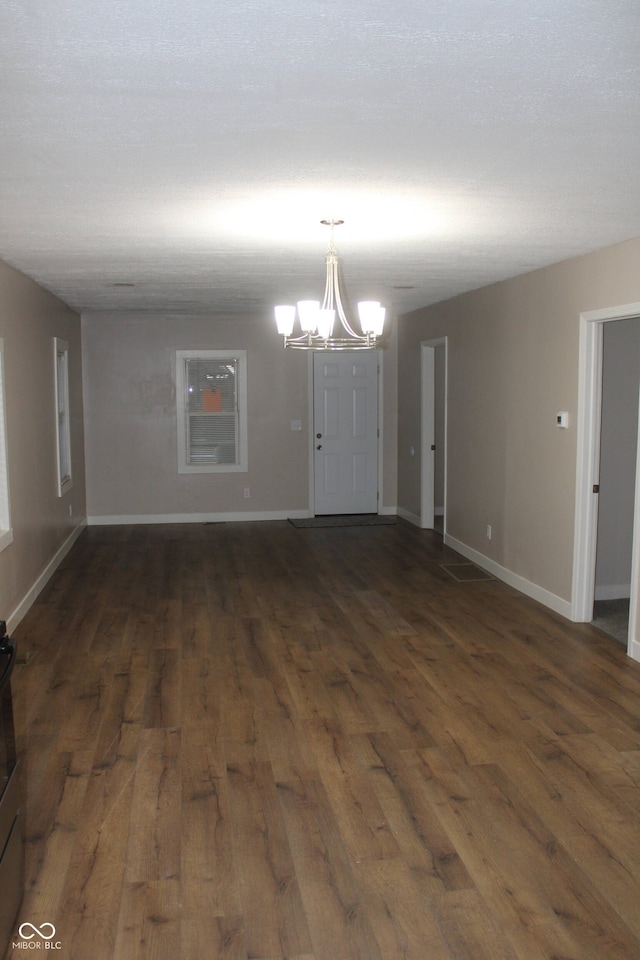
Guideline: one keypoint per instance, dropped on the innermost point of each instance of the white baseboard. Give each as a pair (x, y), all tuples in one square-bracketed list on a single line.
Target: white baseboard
[(98, 521), (236, 517), (409, 517), (30, 597), (616, 591), (545, 597)]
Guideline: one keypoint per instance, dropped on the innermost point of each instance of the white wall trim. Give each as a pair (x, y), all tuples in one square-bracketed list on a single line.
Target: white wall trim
[(587, 473), (633, 638), (587, 466), (183, 412), (100, 521), (32, 594), (545, 597), (409, 517)]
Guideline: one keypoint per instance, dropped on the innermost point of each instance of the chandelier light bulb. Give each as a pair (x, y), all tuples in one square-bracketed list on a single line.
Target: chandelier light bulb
[(371, 316), (285, 319), (326, 319), (308, 315)]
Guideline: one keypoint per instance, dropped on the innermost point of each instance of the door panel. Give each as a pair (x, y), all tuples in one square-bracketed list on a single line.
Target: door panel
[(330, 474), (345, 433), (360, 476), (331, 413)]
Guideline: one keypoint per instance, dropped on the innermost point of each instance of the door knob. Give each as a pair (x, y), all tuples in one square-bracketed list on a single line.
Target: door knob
[(319, 447)]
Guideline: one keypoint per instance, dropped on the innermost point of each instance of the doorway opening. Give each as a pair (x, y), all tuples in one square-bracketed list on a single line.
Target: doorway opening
[(618, 444), (590, 471)]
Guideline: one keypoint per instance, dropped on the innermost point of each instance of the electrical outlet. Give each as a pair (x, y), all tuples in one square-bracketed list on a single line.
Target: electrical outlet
[(489, 531), (247, 493)]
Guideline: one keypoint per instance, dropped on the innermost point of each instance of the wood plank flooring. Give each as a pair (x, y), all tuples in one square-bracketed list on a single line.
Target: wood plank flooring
[(251, 742)]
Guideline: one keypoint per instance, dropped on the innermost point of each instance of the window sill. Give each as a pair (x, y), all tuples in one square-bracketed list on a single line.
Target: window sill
[(214, 468), (64, 487)]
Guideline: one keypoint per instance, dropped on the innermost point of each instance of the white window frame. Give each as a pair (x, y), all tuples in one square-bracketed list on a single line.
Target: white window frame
[(64, 475), (6, 531), (239, 357)]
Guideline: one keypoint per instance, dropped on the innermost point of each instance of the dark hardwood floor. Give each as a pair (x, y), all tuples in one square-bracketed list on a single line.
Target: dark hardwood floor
[(250, 741)]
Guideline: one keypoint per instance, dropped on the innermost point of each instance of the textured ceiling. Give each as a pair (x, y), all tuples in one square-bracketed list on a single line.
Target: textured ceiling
[(174, 157)]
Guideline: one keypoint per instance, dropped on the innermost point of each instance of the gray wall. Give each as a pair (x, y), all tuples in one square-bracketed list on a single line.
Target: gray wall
[(130, 415), (513, 363), (618, 451), (42, 524)]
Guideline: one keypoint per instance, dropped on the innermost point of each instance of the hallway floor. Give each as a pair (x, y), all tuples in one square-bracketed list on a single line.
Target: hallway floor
[(612, 616)]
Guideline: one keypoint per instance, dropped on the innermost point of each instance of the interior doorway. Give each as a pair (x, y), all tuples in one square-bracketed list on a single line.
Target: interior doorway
[(433, 435), (588, 475)]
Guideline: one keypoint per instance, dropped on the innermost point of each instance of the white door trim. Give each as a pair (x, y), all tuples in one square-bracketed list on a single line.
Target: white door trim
[(587, 473), (633, 646), (427, 431)]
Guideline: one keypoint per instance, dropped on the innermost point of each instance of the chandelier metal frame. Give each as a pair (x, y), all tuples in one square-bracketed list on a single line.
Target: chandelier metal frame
[(317, 319)]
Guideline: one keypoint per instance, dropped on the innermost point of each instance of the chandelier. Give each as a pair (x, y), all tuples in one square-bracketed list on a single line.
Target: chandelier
[(318, 320)]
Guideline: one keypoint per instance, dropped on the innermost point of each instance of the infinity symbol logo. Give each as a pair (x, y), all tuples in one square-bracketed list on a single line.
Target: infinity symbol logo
[(40, 931)]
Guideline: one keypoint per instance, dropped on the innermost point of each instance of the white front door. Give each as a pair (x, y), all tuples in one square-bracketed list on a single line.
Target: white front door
[(345, 432)]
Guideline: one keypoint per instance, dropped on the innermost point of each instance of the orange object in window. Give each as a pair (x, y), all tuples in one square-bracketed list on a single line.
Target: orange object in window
[(212, 401)]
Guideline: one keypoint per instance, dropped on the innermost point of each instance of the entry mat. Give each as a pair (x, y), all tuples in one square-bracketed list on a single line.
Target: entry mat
[(466, 572), (344, 520)]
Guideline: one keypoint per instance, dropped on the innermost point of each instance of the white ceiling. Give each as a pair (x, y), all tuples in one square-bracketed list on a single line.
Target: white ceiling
[(178, 157)]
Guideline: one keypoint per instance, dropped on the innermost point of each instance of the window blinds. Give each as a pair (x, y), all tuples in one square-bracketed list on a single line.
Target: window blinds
[(211, 410)]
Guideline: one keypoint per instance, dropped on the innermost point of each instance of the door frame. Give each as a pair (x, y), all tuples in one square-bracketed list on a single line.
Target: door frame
[(588, 473), (311, 418), (428, 430)]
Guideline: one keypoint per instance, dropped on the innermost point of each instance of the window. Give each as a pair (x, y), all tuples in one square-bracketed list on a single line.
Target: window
[(211, 392), (6, 533), (63, 435)]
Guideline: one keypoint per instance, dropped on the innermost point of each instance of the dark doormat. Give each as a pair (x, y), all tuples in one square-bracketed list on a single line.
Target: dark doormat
[(344, 520), (466, 572)]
